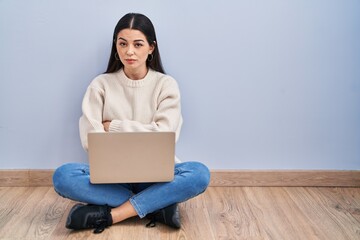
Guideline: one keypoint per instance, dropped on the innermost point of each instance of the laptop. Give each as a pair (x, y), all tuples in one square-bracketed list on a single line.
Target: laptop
[(131, 157)]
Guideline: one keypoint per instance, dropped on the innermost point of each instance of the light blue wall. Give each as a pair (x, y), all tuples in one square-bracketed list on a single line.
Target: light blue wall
[(265, 84)]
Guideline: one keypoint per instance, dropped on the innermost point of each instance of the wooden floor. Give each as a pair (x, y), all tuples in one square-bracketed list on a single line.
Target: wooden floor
[(219, 213)]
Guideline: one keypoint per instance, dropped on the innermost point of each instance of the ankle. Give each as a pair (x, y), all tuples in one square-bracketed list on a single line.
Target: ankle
[(122, 212), (113, 216)]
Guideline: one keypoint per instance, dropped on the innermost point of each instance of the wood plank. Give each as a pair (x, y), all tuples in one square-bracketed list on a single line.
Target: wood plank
[(23, 212), (277, 216), (3, 191), (346, 200), (12, 202), (37, 216), (319, 213), (231, 217), (49, 212), (61, 232), (194, 212), (220, 178), (349, 225)]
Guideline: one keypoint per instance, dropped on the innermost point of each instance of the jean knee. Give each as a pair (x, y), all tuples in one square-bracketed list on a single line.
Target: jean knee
[(59, 177), (201, 177), (62, 177), (204, 176)]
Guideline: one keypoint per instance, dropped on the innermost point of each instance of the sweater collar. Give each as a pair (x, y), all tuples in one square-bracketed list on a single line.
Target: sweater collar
[(135, 83)]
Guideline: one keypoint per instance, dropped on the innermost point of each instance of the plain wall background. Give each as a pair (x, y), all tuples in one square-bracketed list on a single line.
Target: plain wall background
[(266, 84)]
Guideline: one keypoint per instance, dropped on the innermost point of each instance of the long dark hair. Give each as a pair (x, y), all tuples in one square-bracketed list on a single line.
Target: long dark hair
[(143, 24)]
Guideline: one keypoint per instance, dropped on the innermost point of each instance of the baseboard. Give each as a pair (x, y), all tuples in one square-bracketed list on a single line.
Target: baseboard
[(26, 178), (219, 178), (286, 178)]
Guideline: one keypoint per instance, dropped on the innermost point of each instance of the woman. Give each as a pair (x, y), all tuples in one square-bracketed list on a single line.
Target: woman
[(133, 95)]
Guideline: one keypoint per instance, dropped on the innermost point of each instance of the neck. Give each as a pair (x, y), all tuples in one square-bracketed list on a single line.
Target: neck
[(136, 74)]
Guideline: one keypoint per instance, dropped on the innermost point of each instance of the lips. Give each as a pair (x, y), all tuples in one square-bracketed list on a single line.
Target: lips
[(130, 60)]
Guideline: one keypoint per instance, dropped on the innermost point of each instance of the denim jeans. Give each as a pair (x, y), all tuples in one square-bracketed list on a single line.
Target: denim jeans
[(72, 180)]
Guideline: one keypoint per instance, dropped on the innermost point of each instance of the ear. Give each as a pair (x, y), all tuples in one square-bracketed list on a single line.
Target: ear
[(152, 47)]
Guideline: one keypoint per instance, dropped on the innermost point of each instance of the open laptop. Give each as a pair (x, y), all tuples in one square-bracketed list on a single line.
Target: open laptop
[(131, 157)]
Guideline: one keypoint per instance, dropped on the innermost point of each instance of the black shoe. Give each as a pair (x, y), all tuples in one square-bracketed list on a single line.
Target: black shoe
[(169, 216), (89, 216)]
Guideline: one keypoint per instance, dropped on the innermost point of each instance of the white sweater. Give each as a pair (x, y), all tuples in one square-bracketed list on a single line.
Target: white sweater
[(145, 105)]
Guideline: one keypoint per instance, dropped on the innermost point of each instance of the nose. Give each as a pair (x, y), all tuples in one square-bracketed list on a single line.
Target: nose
[(130, 51)]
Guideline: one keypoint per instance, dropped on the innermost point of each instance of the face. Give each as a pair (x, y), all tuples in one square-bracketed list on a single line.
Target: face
[(133, 49)]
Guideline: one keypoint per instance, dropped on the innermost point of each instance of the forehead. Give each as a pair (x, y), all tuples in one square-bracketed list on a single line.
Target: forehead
[(131, 35)]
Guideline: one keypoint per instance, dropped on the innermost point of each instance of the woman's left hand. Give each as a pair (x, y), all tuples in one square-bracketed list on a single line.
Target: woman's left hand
[(106, 125)]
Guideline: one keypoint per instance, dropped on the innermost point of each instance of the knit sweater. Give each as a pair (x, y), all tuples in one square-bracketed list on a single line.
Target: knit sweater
[(146, 105)]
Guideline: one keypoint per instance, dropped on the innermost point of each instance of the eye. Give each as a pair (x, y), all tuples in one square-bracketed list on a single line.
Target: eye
[(122, 44), (138, 45)]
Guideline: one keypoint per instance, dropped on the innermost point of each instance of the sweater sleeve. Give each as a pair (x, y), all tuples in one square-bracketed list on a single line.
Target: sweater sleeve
[(91, 119), (166, 118)]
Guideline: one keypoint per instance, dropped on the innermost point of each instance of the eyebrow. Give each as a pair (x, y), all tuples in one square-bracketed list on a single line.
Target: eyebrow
[(137, 40)]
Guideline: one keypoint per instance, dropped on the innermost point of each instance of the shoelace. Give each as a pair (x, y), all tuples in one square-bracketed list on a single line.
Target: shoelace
[(153, 219), (152, 223), (99, 222), (160, 216), (100, 226)]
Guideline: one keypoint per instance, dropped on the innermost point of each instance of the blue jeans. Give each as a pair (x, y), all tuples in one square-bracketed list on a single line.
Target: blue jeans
[(72, 180)]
